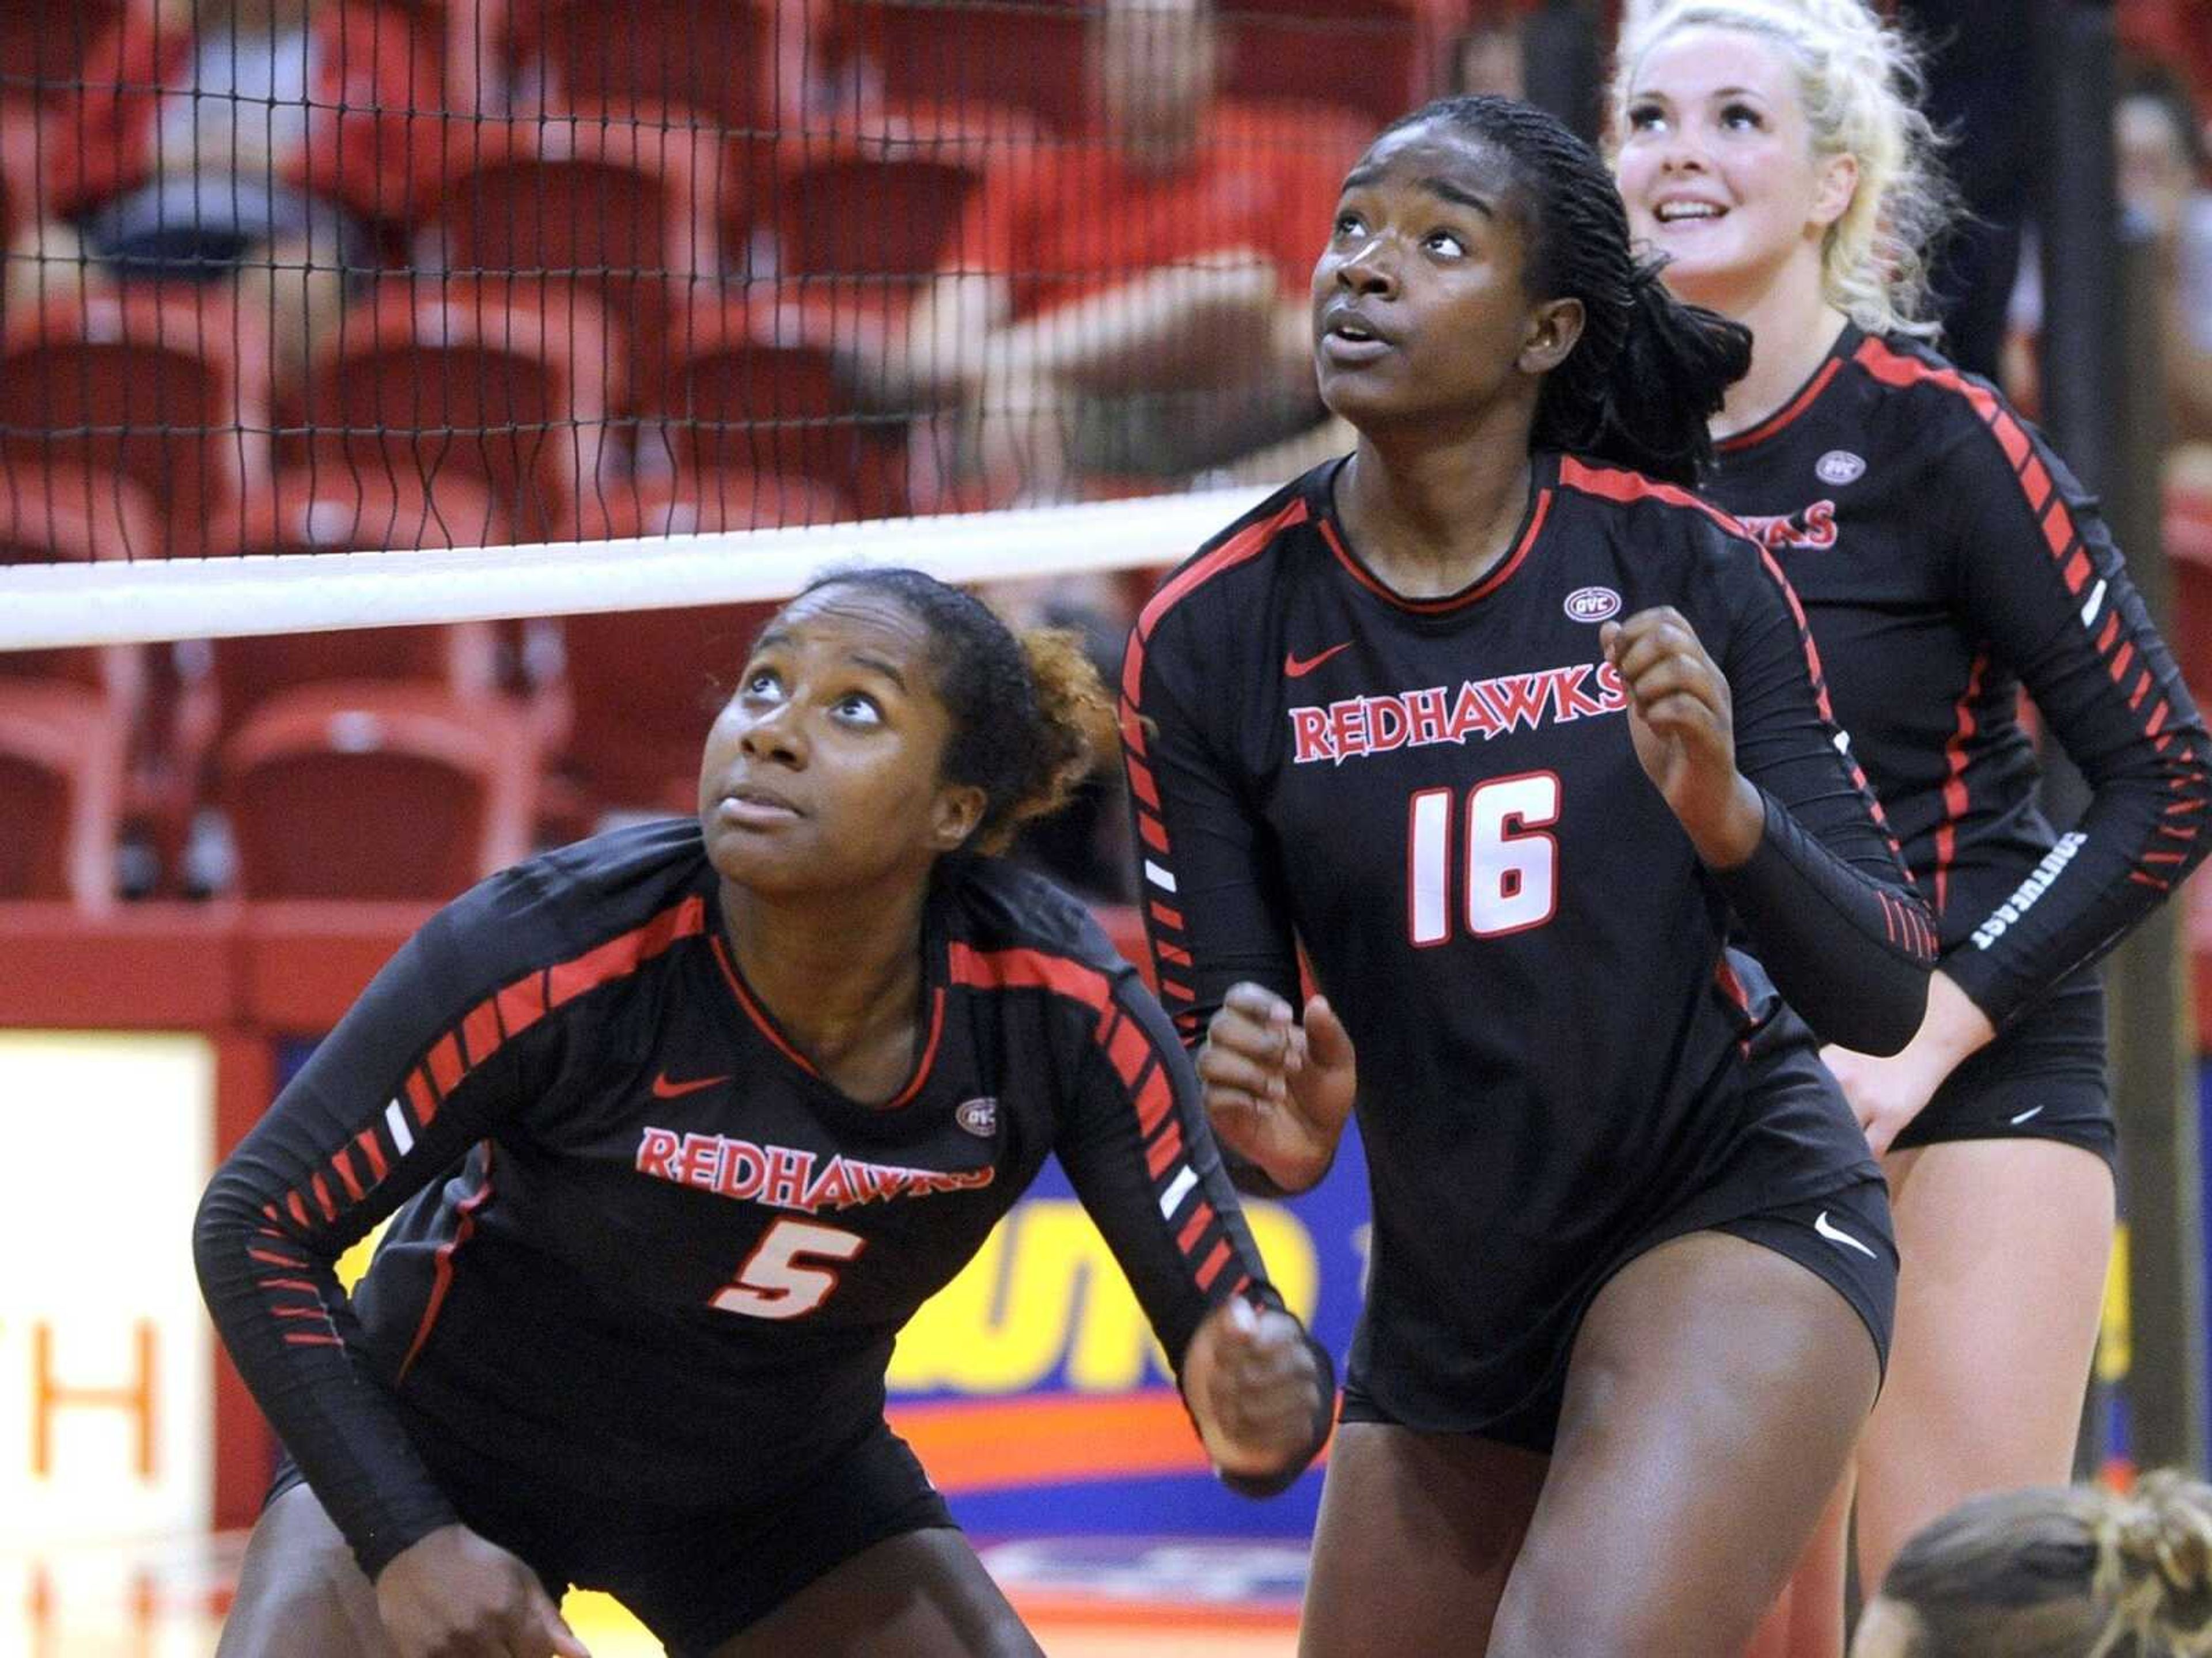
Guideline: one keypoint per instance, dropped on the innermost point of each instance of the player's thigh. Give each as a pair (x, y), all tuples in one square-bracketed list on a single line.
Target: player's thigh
[(1715, 1394), (2005, 1244), (300, 1590), (920, 1592), (1806, 1619), (1417, 1534)]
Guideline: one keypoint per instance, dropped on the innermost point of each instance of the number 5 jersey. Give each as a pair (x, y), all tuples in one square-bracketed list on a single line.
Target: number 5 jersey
[(647, 1252)]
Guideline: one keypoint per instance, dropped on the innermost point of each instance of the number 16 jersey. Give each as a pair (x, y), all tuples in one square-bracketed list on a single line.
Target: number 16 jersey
[(1440, 801)]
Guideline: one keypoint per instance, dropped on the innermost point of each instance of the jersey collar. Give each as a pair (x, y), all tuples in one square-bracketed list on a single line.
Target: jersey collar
[(1800, 400), (1543, 474)]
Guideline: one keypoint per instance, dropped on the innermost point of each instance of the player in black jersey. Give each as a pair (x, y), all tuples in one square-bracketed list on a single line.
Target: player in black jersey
[(688, 1119), (1946, 560), (1502, 734)]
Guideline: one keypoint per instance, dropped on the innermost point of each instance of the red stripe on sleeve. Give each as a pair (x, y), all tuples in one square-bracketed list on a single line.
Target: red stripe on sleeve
[(321, 1188), (1154, 1102), (2077, 571), (1028, 969), (423, 1098), (522, 1004), (1176, 988), (1165, 916), (1154, 832), (2037, 484), (1164, 1150), (1215, 1261), (1126, 1047), (312, 1338), (1194, 1228), (1132, 723), (268, 1259), (1168, 952), (2057, 529), (2109, 632), (299, 1210), (288, 1283), (480, 1031), (2010, 438), (2124, 655), (446, 1066), (366, 1141), (1141, 785), (1247, 543), (621, 955), (343, 1164)]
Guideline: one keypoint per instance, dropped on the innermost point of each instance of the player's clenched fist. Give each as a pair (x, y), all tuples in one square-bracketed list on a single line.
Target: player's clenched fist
[(1277, 1091), (1258, 1394), (1682, 720)]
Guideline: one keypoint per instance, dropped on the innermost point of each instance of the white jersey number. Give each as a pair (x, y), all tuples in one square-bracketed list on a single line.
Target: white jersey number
[(775, 1283), (1512, 870)]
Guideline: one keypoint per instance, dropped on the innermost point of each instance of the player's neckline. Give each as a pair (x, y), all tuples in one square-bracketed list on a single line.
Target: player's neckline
[(1807, 394), (1543, 476)]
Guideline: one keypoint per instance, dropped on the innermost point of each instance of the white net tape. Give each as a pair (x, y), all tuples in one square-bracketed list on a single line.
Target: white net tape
[(144, 601)]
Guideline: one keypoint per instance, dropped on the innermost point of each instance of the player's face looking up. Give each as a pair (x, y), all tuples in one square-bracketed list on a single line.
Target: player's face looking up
[(1421, 303), (824, 770), (1718, 169)]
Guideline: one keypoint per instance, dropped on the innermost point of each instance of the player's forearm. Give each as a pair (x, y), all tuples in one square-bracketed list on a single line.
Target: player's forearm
[(1850, 955)]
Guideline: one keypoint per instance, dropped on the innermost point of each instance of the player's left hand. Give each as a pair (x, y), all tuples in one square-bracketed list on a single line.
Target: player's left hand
[(1683, 722), (1886, 1094), (1253, 1388)]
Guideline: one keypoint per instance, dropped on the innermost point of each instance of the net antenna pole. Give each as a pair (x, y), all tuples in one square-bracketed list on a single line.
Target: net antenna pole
[(2103, 410)]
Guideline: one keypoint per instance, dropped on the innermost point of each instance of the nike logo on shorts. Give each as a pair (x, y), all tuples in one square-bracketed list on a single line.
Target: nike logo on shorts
[(665, 1090), (1840, 1237), (2032, 1111)]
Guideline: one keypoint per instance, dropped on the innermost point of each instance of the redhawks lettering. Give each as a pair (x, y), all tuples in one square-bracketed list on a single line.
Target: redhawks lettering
[(1815, 526), (786, 1179), (1436, 713)]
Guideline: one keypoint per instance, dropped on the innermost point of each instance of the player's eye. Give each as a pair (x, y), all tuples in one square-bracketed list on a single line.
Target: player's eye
[(858, 709), (1350, 227), (1644, 116), (1446, 244), (1741, 116), (762, 686)]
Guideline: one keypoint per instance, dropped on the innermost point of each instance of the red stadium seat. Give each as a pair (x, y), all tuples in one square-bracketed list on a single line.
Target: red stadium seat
[(948, 52), (861, 223), (477, 379), (43, 44), (715, 56), (62, 756), (1361, 55), (169, 388), (67, 514), (635, 743), (312, 511), (728, 396), (376, 790), (621, 205)]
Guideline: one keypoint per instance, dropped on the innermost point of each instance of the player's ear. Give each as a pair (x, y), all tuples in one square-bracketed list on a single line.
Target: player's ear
[(1554, 326), (954, 814)]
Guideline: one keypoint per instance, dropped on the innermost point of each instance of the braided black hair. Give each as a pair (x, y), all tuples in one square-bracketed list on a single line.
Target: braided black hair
[(1649, 370), (1030, 717)]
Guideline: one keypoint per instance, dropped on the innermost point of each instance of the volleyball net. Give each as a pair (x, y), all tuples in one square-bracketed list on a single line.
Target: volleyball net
[(298, 278)]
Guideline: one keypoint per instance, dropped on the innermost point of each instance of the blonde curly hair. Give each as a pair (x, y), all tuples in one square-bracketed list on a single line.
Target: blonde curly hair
[(1859, 82), (2063, 1572)]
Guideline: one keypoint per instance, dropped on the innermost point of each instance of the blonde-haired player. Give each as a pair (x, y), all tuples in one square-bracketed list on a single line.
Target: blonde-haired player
[(1774, 152)]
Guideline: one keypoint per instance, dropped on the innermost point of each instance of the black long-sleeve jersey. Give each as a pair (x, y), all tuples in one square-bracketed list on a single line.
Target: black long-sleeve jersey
[(651, 1254), (1945, 557), (1440, 799)]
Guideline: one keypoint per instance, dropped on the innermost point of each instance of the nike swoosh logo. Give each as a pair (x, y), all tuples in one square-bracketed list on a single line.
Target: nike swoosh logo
[(1835, 1236), (665, 1090), (2033, 1111), (1294, 668)]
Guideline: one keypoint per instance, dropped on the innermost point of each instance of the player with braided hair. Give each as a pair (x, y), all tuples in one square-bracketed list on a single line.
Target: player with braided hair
[(2054, 1572), (688, 1120), (1503, 730), (1948, 560)]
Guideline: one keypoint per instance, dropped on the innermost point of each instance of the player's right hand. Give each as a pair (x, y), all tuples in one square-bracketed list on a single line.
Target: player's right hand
[(1277, 1091), (454, 1594)]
